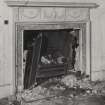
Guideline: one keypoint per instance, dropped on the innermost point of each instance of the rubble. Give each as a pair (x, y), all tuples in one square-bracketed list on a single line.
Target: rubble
[(60, 91), (61, 59), (35, 93), (45, 60), (98, 87), (55, 90), (69, 80), (52, 59), (24, 59), (77, 59)]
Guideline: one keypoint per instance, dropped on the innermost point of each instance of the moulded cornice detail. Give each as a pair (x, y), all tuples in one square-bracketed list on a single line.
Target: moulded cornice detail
[(50, 4)]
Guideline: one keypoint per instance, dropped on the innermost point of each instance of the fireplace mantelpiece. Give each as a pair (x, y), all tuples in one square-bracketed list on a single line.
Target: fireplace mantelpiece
[(50, 11), (40, 15)]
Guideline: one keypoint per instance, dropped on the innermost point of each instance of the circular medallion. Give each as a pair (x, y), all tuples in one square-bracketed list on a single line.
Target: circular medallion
[(74, 13), (31, 13)]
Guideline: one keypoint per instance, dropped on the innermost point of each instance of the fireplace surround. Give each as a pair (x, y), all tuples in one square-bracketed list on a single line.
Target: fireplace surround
[(51, 16), (49, 26)]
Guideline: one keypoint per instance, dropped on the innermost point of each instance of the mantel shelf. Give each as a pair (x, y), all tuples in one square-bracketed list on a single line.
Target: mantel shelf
[(50, 4)]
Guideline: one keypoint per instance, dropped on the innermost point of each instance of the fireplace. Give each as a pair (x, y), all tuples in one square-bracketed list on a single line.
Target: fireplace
[(49, 53), (54, 20), (48, 50)]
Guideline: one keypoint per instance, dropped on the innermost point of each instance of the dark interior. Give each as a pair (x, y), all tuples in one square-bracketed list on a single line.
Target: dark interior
[(49, 53)]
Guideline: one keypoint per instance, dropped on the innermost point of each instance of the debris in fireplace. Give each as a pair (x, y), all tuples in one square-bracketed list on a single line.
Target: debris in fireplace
[(40, 59), (24, 59), (53, 92), (49, 59), (77, 59), (62, 88), (61, 60), (44, 60)]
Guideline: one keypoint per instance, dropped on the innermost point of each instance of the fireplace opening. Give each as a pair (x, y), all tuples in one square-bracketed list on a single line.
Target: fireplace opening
[(48, 53)]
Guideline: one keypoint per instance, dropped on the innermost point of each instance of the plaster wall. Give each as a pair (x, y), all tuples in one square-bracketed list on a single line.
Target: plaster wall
[(97, 17)]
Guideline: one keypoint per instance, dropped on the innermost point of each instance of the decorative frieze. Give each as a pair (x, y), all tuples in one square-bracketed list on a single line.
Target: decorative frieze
[(53, 13)]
